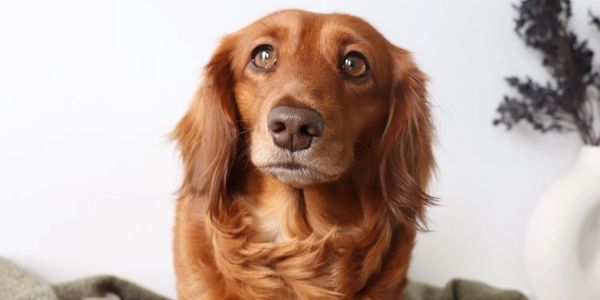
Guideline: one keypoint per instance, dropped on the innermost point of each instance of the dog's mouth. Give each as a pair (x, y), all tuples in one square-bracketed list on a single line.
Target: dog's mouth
[(319, 164), (291, 166), (295, 174), (290, 171)]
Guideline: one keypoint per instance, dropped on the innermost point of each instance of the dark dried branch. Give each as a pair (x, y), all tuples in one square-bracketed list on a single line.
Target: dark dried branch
[(559, 105), (595, 20)]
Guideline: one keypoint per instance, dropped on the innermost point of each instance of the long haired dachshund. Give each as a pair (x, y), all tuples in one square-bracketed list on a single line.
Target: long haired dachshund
[(307, 155)]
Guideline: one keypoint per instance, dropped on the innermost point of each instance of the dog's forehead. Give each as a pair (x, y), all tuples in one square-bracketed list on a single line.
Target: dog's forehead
[(299, 25)]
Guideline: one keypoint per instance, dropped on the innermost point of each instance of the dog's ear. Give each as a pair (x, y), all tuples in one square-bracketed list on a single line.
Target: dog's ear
[(406, 148), (208, 133)]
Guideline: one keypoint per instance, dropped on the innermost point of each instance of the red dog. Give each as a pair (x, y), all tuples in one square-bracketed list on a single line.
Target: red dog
[(307, 153)]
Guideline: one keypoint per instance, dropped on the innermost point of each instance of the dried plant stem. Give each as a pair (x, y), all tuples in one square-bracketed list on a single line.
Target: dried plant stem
[(566, 103)]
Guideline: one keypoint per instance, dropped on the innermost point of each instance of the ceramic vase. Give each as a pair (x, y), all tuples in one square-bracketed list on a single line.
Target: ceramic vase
[(562, 246)]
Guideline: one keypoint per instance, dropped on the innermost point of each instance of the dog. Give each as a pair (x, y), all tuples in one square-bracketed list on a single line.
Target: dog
[(307, 152)]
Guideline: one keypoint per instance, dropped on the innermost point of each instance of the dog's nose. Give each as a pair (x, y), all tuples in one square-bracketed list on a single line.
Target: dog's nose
[(294, 128)]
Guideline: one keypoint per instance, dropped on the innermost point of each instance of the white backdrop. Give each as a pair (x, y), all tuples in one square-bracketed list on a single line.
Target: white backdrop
[(89, 91)]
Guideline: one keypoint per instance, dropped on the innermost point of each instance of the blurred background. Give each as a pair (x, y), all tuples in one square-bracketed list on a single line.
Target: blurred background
[(90, 89)]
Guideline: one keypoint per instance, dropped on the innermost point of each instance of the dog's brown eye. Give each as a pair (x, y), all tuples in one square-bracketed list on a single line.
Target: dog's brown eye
[(355, 64), (264, 57)]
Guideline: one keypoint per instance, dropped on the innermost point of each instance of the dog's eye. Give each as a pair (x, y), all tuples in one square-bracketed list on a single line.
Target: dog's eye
[(355, 64), (264, 57)]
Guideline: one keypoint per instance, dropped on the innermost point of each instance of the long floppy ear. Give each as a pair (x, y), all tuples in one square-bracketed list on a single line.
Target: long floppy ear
[(208, 134), (406, 147)]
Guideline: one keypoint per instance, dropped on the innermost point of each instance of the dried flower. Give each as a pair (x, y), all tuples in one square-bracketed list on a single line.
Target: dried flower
[(566, 103)]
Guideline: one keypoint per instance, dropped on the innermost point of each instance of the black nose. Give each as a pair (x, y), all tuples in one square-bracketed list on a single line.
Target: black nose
[(294, 128)]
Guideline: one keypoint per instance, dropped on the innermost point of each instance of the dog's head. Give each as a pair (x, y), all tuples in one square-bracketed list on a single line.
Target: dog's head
[(310, 98)]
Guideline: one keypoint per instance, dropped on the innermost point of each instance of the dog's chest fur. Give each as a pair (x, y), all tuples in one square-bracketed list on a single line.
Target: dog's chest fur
[(281, 253), (270, 217)]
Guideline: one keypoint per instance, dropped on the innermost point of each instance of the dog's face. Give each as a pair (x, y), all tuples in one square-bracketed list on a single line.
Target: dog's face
[(308, 98), (309, 89)]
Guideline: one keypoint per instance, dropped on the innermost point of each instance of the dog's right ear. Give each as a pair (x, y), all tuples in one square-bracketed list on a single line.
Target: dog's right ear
[(208, 133)]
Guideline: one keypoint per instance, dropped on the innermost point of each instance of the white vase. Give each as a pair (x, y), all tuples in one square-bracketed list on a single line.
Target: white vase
[(562, 246)]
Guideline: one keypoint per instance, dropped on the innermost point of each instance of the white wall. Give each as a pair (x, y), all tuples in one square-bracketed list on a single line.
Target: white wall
[(89, 91)]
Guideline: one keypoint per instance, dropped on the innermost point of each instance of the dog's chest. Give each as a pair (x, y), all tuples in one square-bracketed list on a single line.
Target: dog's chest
[(271, 226), (270, 217)]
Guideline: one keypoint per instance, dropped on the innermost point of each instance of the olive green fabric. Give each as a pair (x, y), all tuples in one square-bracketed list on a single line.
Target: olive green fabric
[(460, 289), (18, 284), (105, 288)]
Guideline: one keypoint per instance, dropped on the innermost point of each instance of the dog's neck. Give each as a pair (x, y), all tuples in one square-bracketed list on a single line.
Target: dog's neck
[(282, 211)]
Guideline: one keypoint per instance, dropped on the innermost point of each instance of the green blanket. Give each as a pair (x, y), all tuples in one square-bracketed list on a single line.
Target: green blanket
[(17, 284)]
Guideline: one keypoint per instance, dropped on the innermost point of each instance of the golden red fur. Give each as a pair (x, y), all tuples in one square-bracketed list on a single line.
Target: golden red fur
[(340, 225)]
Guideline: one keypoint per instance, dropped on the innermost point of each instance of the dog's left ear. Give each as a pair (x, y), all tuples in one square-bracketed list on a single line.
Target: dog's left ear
[(406, 154), (208, 134)]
